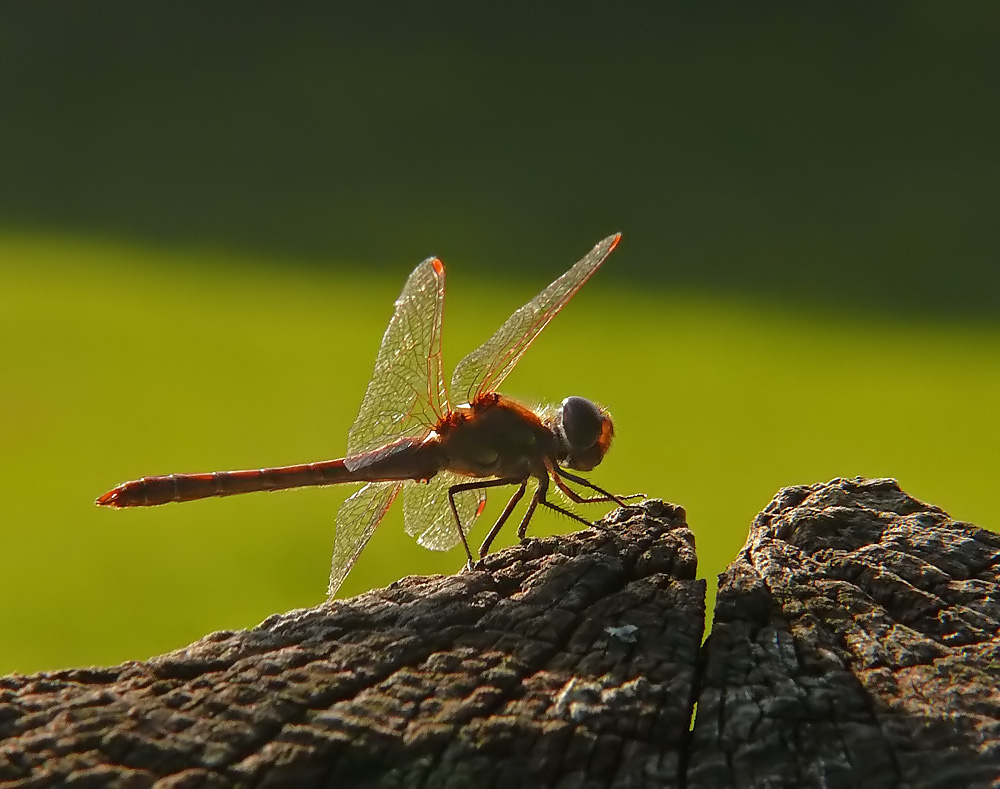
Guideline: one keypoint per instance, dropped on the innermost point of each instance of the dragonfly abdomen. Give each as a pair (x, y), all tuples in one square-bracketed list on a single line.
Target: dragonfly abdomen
[(406, 459), (152, 491)]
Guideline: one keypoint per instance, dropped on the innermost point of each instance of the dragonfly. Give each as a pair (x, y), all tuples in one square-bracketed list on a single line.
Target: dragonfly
[(443, 453)]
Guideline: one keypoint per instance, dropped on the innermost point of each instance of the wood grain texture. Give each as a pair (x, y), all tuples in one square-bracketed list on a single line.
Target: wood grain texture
[(565, 661), (855, 643)]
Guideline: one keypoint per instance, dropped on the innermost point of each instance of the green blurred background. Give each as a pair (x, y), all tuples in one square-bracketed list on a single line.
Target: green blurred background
[(206, 211)]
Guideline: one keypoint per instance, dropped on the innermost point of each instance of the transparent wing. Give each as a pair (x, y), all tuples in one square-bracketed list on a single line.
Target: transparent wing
[(427, 514), (356, 522), (484, 369), (406, 395)]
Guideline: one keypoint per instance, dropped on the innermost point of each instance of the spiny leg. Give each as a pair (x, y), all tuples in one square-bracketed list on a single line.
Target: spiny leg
[(539, 498), (539, 495), (477, 485), (568, 513), (576, 497), (484, 549)]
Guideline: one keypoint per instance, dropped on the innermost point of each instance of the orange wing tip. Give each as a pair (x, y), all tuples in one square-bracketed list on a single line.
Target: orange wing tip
[(618, 237), (438, 265)]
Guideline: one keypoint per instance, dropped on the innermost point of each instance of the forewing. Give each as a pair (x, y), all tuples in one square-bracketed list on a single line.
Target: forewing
[(405, 396), (427, 514), (356, 522), (484, 369)]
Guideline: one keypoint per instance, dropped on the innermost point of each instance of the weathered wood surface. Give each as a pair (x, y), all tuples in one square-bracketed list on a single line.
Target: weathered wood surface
[(855, 643), (566, 661)]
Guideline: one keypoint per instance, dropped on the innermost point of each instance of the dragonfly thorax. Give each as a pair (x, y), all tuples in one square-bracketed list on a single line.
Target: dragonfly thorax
[(495, 436), (583, 433)]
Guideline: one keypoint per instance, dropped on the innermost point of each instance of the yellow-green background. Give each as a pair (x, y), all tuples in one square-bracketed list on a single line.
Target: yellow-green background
[(205, 215)]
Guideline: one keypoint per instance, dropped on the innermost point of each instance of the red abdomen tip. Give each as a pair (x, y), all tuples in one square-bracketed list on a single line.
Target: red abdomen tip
[(109, 499)]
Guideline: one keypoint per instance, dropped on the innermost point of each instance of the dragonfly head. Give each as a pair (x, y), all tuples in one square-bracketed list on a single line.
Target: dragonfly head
[(583, 432)]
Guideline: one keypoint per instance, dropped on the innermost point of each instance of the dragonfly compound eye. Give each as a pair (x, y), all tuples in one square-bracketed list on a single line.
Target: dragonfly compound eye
[(581, 423), (585, 432)]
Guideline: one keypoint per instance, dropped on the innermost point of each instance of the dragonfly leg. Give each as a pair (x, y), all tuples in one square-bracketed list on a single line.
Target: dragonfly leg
[(567, 513), (478, 485), (574, 496), (605, 496), (484, 549), (539, 495), (540, 498)]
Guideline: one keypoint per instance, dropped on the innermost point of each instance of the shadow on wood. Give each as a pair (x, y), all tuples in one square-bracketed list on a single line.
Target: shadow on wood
[(855, 643)]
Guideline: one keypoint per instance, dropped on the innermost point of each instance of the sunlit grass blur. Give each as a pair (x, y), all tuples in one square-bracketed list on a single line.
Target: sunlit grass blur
[(120, 361)]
